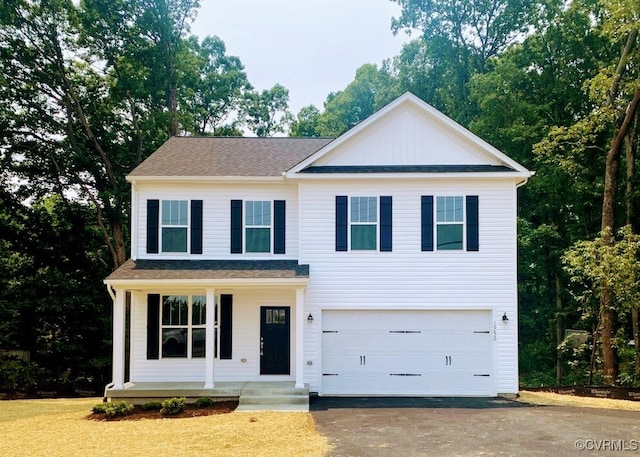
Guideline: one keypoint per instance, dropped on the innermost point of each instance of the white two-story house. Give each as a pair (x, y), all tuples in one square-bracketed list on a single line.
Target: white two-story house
[(381, 262)]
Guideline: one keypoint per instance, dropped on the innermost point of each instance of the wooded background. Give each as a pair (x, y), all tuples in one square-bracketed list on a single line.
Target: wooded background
[(89, 89)]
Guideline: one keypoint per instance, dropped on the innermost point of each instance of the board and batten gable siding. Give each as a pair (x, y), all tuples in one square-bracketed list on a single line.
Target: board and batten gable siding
[(407, 137), (216, 216), (246, 331), (407, 277)]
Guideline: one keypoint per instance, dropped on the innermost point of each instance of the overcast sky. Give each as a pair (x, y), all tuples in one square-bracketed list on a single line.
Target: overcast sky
[(311, 47)]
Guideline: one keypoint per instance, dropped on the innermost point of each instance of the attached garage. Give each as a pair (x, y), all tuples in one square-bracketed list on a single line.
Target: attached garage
[(439, 353)]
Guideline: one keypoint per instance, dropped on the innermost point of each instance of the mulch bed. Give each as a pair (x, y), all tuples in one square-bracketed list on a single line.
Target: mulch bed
[(618, 393), (220, 407)]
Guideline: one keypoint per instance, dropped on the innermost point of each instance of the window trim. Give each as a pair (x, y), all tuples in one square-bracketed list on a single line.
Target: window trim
[(350, 222), (189, 326), (162, 226), (462, 223), (246, 226)]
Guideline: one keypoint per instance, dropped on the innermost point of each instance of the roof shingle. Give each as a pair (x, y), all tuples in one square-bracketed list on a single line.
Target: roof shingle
[(227, 156), (209, 269)]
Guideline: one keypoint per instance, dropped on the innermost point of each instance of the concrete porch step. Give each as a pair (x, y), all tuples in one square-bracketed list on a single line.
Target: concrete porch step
[(288, 408), (274, 400), (273, 397)]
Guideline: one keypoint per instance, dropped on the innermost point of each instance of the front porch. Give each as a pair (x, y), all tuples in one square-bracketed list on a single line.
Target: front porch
[(253, 396)]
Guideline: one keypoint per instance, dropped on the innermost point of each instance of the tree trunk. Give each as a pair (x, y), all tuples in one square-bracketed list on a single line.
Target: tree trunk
[(631, 147), (559, 331), (607, 308)]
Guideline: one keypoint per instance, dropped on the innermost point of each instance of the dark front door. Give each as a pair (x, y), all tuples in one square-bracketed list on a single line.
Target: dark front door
[(274, 340)]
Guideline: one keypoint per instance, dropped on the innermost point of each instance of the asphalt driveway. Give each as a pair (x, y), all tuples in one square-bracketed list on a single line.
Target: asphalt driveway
[(471, 427)]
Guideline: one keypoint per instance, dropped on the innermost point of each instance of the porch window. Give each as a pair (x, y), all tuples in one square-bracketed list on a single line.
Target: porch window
[(183, 326)]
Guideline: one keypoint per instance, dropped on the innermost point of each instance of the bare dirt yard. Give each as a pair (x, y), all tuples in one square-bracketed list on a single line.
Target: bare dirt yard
[(60, 427)]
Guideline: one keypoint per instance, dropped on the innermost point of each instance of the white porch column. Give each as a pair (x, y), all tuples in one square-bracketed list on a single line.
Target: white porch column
[(300, 322), (209, 337), (119, 311)]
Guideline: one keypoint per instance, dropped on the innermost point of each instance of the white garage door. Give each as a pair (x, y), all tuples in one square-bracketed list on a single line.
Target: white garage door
[(441, 353)]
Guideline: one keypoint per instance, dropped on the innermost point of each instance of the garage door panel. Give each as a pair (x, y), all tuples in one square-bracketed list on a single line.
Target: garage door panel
[(406, 352)]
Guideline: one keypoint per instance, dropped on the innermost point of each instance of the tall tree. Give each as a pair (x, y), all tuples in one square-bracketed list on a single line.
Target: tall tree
[(458, 38), (267, 113)]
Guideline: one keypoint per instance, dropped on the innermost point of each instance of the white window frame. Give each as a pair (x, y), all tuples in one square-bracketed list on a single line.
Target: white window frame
[(366, 223), (463, 222), (189, 324), (175, 226), (246, 226)]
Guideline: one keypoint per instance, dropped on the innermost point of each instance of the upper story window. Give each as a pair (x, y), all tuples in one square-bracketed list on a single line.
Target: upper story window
[(364, 223), (449, 223), (257, 226), (175, 225)]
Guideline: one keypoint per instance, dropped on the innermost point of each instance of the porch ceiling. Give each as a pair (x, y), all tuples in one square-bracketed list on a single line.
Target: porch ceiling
[(172, 271)]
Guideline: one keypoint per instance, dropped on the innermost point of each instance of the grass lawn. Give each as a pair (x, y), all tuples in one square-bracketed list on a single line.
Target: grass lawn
[(58, 428)]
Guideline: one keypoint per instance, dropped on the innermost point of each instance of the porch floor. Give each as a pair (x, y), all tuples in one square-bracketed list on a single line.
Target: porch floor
[(252, 395)]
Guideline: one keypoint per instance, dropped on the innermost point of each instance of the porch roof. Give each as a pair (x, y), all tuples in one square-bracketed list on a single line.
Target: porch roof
[(185, 270)]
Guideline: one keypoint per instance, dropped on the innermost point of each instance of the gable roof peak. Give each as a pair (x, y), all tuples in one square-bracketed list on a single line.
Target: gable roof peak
[(444, 122)]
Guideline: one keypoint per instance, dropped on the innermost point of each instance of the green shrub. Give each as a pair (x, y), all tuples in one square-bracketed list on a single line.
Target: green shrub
[(17, 374), (151, 406), (172, 406), (118, 408), (100, 408), (204, 402)]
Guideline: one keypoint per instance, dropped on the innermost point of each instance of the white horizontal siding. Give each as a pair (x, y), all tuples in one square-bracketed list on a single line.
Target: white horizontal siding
[(407, 137), (245, 362), (216, 217), (408, 278)]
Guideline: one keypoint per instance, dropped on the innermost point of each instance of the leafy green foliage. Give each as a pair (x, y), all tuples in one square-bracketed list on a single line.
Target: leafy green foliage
[(151, 406), (118, 408), (594, 265), (113, 409), (204, 402), (100, 408), (173, 406)]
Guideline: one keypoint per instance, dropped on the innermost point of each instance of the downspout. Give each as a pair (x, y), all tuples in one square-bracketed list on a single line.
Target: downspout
[(111, 384)]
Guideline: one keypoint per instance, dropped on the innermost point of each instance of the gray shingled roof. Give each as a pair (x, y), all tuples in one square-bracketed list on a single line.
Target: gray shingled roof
[(209, 269), (228, 156)]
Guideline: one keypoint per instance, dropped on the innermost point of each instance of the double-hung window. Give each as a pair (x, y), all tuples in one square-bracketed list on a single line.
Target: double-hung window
[(183, 326), (258, 226), (175, 225), (449, 223), (364, 223)]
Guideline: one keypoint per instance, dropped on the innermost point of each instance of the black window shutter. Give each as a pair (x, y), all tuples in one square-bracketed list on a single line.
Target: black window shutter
[(226, 325), (473, 228), (153, 326), (236, 226), (196, 226), (386, 224), (153, 222), (427, 222), (279, 229), (341, 223)]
